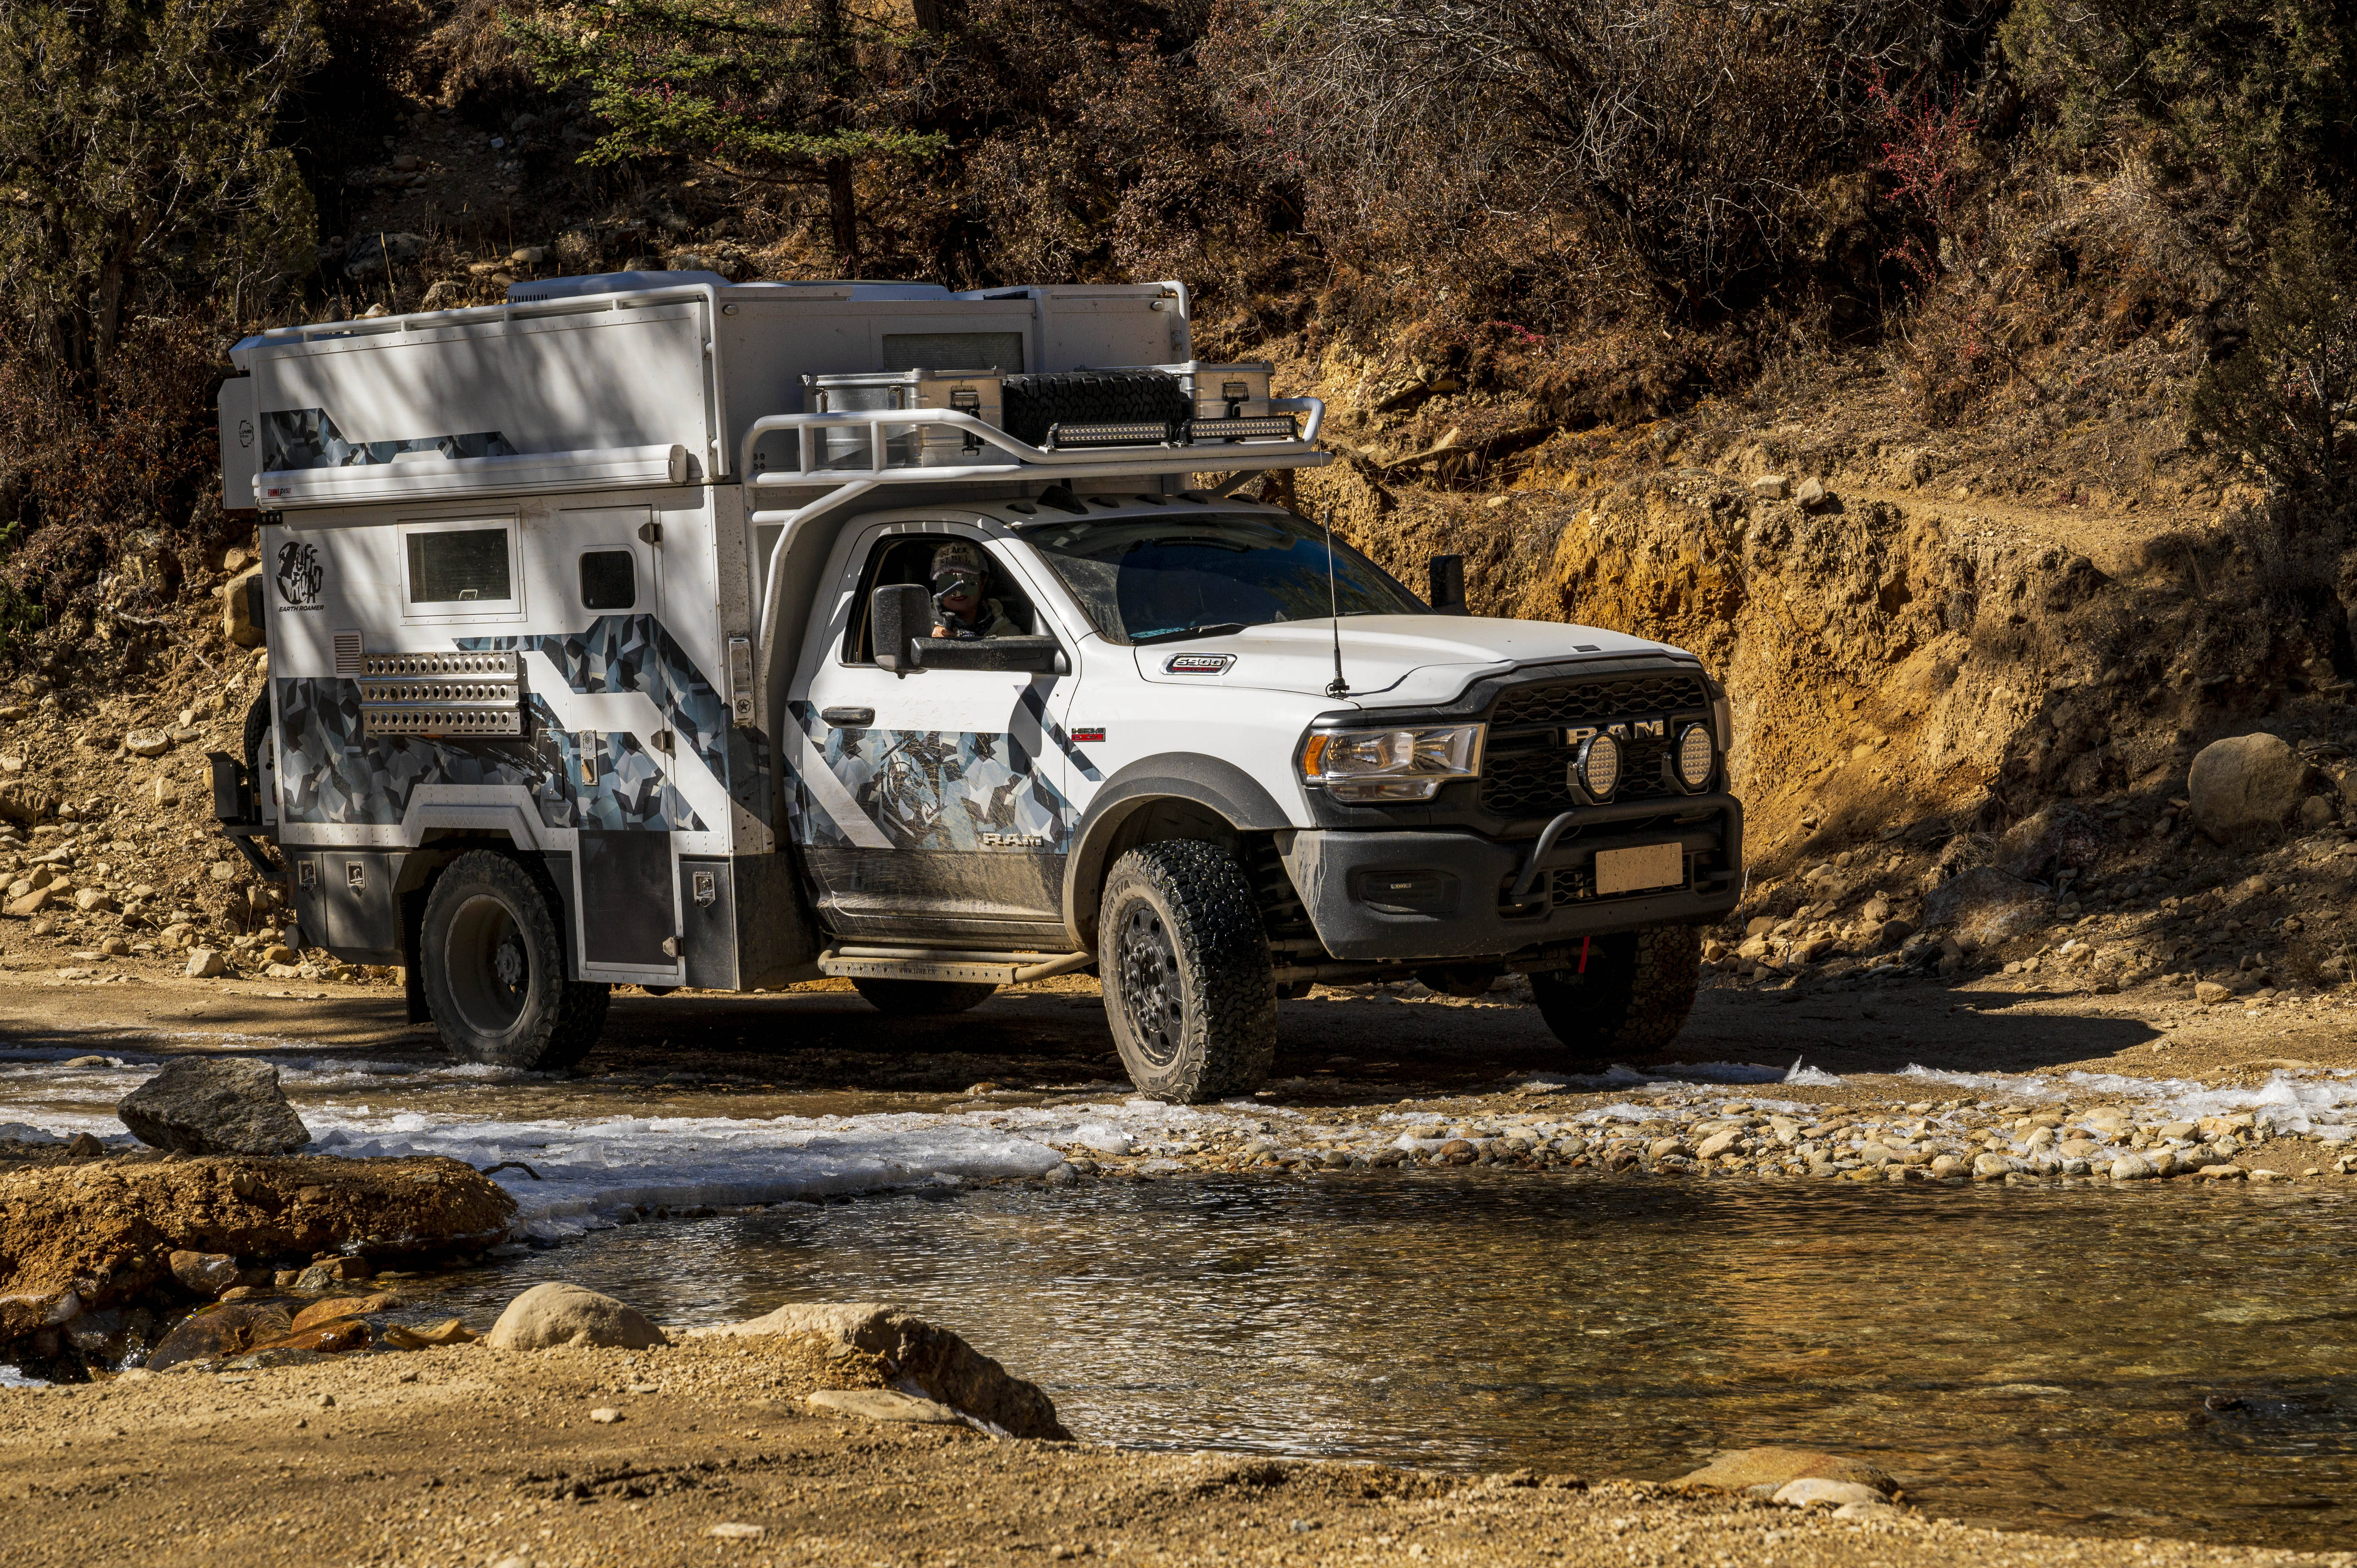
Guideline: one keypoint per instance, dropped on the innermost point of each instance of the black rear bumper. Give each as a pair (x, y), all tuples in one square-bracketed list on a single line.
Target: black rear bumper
[(1408, 897)]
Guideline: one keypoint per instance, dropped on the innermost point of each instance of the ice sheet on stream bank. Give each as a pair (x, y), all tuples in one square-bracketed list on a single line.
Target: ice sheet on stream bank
[(589, 1168)]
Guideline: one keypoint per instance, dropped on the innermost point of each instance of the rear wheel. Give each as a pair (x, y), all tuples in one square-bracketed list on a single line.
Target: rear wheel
[(257, 735), (1629, 1001), (494, 969), (1190, 988), (923, 998)]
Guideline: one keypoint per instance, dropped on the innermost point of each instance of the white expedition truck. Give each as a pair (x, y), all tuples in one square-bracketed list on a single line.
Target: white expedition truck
[(652, 629)]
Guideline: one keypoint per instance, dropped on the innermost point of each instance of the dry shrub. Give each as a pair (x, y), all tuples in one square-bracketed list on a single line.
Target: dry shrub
[(473, 64), (130, 472)]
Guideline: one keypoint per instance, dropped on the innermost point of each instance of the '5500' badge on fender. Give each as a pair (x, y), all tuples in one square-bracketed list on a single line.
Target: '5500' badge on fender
[(1198, 663)]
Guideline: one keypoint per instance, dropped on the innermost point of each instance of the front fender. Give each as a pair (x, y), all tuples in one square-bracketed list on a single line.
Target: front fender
[(1220, 788)]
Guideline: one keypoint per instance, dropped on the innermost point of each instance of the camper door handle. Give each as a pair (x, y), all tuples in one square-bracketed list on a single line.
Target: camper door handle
[(651, 533), (848, 718)]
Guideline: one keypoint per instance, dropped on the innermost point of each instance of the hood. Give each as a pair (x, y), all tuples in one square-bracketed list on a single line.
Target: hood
[(1388, 660)]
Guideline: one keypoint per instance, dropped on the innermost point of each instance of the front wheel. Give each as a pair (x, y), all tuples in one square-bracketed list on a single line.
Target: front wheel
[(494, 970), (1190, 988), (1630, 1000), (922, 998)]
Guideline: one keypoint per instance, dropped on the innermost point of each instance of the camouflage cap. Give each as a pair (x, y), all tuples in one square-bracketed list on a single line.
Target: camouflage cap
[(958, 559)]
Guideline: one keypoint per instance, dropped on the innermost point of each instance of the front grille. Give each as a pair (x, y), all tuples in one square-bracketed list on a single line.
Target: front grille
[(1527, 775), (1591, 701)]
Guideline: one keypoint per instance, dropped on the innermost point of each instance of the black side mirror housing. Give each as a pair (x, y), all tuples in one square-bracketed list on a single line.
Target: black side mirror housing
[(900, 616), (1036, 655), (1446, 580)]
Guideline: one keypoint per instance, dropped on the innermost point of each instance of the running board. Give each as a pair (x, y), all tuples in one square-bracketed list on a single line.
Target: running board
[(949, 966)]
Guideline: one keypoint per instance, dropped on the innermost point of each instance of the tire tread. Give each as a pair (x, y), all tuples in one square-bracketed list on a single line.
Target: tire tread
[(569, 1026), (1633, 1004), (1227, 974)]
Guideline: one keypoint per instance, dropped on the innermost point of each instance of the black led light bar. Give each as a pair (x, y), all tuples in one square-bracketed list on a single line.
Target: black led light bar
[(1172, 433)]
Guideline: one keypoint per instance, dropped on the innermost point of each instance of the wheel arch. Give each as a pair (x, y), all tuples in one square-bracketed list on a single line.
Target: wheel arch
[(424, 866), (1176, 795)]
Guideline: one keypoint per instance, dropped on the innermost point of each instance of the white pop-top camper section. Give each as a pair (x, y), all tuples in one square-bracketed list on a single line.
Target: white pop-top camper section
[(624, 379)]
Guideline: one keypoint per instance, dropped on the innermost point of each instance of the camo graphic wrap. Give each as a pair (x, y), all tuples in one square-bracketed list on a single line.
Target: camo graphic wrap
[(932, 789), (634, 653), (338, 774)]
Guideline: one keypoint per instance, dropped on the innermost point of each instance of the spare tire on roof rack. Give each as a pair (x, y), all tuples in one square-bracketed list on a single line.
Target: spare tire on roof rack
[(1032, 406)]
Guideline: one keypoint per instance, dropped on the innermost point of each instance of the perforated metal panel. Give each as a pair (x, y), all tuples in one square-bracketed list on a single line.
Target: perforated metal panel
[(443, 693)]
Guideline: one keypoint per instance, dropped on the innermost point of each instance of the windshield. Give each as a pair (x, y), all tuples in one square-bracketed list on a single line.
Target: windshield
[(1196, 574)]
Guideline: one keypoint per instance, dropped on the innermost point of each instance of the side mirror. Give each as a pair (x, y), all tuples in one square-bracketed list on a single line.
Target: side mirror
[(900, 617), (1446, 579)]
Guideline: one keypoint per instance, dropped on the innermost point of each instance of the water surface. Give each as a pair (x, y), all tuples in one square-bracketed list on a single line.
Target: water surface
[(2166, 1362)]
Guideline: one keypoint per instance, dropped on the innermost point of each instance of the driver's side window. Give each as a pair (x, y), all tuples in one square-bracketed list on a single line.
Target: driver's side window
[(908, 558)]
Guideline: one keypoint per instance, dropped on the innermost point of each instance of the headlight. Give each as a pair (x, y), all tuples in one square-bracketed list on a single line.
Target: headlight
[(1391, 764), (1596, 767), (1697, 756)]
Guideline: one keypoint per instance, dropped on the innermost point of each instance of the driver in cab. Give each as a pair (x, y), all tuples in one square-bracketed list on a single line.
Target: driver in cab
[(961, 613)]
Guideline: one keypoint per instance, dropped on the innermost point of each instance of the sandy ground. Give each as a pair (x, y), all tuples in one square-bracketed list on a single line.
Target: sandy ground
[(826, 1049), (489, 1457), (470, 1456)]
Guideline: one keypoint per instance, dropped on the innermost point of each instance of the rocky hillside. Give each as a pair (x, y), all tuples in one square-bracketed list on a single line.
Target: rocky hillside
[(1953, 449)]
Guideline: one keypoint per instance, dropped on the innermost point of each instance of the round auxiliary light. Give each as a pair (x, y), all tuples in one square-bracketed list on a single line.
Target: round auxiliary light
[(1596, 767), (1697, 756)]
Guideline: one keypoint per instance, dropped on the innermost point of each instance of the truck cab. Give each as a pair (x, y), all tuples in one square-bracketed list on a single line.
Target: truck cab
[(654, 630)]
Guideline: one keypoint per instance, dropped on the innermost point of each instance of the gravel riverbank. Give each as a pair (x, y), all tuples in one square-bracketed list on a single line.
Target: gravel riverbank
[(711, 1450)]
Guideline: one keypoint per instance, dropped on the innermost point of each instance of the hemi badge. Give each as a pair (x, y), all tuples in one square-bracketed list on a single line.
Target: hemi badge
[(1198, 663), (1088, 737)]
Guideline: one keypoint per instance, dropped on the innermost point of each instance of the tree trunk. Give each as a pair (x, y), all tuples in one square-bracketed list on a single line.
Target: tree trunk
[(842, 215)]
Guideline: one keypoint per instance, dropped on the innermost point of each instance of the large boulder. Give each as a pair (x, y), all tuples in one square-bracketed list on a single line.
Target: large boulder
[(2243, 784), (242, 609), (2054, 837), (375, 253), (935, 1360), (557, 1314), (86, 1235), (214, 1333), (207, 1106), (1987, 906)]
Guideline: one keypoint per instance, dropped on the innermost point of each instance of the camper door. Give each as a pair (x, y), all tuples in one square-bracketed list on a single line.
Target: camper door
[(617, 741)]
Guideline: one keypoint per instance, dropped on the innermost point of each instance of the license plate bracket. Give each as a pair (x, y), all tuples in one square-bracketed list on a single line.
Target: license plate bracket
[(1640, 869)]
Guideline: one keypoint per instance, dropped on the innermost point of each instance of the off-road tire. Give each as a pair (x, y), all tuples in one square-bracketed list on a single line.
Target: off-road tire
[(493, 962), (1031, 405), (1632, 1000), (257, 735), (1190, 988), (923, 998)]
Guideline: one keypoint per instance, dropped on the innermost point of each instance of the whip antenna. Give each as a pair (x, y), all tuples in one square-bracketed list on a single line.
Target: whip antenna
[(1338, 687)]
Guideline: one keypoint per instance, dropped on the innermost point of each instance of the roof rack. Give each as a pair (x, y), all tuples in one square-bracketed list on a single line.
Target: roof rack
[(1075, 451), (1245, 446)]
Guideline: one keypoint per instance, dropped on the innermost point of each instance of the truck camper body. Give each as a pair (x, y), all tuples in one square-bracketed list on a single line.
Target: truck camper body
[(615, 637)]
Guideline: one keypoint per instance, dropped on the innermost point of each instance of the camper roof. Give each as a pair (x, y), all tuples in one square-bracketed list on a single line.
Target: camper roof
[(637, 283)]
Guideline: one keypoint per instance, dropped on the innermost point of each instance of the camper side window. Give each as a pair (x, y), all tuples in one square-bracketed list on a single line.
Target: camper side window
[(461, 566), (609, 580)]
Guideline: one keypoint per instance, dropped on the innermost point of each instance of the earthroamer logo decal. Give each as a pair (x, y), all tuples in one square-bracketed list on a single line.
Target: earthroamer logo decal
[(1198, 663), (298, 575)]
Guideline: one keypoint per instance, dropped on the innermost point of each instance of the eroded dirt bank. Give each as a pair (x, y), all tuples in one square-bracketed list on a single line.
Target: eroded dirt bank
[(481, 1456)]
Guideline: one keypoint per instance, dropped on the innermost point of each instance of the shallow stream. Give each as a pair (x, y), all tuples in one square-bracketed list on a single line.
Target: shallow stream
[(2160, 1361)]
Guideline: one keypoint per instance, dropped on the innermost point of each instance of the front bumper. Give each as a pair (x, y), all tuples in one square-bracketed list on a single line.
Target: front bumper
[(1410, 896)]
